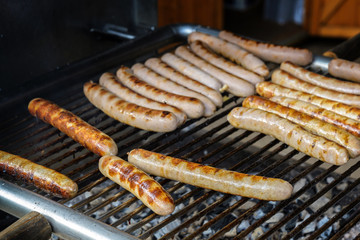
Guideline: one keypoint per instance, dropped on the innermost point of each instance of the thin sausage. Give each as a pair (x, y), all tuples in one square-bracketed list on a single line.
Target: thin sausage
[(210, 177), (144, 187), (290, 133), (236, 86), (270, 52), (231, 51), (191, 71), (109, 81), (164, 69), (191, 106), (202, 51), (129, 113), (345, 123), (320, 80), (287, 80), (72, 125), (269, 89), (44, 178), (344, 69), (158, 81), (313, 125)]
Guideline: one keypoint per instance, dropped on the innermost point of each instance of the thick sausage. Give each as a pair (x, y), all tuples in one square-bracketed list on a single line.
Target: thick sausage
[(191, 71), (270, 52), (42, 177), (158, 81), (210, 177), (109, 81), (269, 89), (313, 125), (290, 133), (236, 86), (202, 51), (320, 80), (231, 51), (144, 187), (340, 121), (76, 128), (287, 80), (344, 69), (129, 113), (191, 106), (164, 69)]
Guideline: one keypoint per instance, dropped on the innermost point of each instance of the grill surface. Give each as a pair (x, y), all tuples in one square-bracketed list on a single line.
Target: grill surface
[(200, 213)]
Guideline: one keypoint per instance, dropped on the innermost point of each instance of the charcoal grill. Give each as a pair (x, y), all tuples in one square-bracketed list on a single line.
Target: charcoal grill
[(102, 207)]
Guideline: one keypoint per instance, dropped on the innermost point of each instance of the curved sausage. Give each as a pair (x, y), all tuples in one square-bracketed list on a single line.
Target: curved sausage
[(144, 187), (191, 71), (231, 51), (313, 125), (290, 133), (344, 69), (191, 106), (270, 52), (109, 81), (158, 81), (129, 113), (42, 177), (269, 89), (73, 126), (164, 69), (209, 177), (287, 80), (320, 80), (345, 123), (202, 51), (236, 86)]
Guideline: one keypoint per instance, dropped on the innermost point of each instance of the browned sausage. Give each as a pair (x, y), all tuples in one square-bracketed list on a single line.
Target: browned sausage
[(287, 80), (288, 132), (129, 113), (76, 128), (344, 69), (42, 177), (144, 187), (313, 125), (270, 52), (231, 51), (320, 80), (209, 177)]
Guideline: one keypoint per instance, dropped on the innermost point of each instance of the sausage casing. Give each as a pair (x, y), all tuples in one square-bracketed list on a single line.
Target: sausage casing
[(76, 128), (345, 69), (210, 177)]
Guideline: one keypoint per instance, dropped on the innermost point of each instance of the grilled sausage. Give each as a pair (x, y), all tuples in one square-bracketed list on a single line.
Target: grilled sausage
[(202, 51), (191, 106), (231, 51), (270, 52), (287, 80), (129, 113), (209, 177), (158, 81), (42, 177), (268, 89), (109, 81), (191, 71), (236, 86), (320, 80), (345, 123), (313, 125), (290, 133), (344, 69), (144, 187), (164, 69), (76, 128)]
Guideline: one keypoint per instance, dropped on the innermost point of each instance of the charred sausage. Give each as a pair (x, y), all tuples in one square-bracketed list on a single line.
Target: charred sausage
[(344, 69)]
